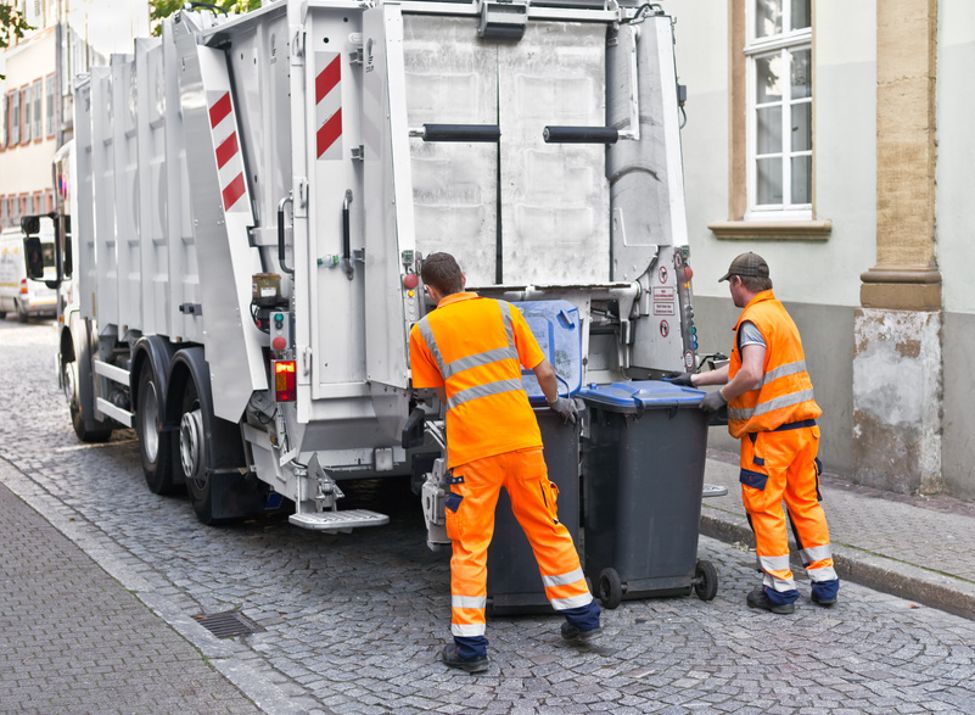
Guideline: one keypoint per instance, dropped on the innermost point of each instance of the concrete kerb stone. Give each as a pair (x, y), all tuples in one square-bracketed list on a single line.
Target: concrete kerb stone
[(234, 661), (862, 567)]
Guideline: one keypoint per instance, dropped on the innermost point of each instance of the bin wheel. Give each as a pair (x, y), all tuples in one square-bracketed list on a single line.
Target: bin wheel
[(610, 588), (705, 580)]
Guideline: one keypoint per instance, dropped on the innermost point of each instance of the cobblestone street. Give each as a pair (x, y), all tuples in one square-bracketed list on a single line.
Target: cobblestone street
[(354, 623)]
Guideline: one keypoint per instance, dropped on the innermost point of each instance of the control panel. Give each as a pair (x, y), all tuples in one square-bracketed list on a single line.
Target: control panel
[(280, 331)]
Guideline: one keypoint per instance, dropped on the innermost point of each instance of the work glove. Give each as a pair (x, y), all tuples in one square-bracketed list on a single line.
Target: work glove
[(713, 401), (681, 378), (565, 407)]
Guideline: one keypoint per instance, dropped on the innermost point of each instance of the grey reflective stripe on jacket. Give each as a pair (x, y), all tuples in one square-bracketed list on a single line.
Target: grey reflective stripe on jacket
[(793, 398), (490, 388), (449, 369), (790, 368)]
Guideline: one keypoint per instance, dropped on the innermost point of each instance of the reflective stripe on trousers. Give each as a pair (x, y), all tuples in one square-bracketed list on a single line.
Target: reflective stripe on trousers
[(470, 527), (786, 462)]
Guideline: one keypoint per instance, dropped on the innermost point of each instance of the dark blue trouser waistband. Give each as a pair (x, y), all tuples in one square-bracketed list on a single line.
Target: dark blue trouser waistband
[(795, 425)]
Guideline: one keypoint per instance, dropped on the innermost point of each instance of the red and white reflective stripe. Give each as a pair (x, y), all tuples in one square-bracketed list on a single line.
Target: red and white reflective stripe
[(230, 163), (328, 105)]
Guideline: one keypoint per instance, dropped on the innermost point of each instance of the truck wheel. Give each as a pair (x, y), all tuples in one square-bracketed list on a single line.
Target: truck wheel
[(155, 447), (70, 379), (193, 456)]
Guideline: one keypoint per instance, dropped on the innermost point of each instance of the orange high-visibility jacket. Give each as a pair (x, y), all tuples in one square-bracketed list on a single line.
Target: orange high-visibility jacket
[(475, 348), (785, 394)]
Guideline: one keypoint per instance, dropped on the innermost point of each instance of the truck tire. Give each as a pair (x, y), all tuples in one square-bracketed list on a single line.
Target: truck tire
[(155, 445), (73, 372), (193, 455)]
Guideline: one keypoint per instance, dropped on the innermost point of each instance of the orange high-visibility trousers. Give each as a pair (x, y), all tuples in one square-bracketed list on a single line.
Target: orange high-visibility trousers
[(777, 465), (470, 526)]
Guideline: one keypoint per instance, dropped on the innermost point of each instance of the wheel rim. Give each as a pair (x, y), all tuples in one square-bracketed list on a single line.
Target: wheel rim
[(191, 446), (149, 408)]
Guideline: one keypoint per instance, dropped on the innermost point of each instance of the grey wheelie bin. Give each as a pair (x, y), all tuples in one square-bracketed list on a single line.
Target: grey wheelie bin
[(643, 474), (514, 583)]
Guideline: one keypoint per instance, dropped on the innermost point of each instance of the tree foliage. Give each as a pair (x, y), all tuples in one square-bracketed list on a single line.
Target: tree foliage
[(160, 9), (13, 25)]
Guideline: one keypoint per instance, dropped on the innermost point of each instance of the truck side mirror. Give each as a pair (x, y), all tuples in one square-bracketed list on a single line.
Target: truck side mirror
[(30, 225), (34, 258)]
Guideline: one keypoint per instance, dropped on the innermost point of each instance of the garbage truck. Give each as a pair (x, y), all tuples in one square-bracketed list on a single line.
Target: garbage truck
[(247, 201)]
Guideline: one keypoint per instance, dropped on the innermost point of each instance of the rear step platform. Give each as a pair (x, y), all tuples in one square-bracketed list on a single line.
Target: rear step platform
[(339, 521)]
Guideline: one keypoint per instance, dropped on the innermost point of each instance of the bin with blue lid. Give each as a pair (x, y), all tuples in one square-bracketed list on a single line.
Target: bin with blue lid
[(514, 583), (643, 474)]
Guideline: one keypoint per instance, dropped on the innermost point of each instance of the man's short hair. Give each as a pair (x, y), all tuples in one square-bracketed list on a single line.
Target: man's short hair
[(441, 271), (756, 284)]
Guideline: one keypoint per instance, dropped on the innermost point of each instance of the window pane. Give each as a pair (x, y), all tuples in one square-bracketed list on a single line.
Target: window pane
[(801, 79), (802, 179), (802, 127), (768, 17), (769, 181), (769, 139), (768, 78), (800, 15)]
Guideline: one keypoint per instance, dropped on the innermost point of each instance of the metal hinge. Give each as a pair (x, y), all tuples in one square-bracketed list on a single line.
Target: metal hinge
[(359, 153), (298, 48), (191, 308), (357, 53)]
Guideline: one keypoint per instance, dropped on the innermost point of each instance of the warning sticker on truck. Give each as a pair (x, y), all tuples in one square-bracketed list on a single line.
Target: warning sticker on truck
[(664, 300), (661, 308)]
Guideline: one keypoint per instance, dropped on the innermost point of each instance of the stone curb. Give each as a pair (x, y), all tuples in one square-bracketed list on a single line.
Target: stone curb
[(867, 569)]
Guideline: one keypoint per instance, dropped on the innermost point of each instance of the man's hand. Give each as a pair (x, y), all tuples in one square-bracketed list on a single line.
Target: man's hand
[(682, 379), (565, 407), (713, 401)]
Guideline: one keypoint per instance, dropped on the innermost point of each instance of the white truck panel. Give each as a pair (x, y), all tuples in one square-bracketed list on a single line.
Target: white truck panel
[(103, 112), (554, 197), (184, 278), (126, 155), (221, 214), (151, 138), (451, 78), (332, 115), (83, 204)]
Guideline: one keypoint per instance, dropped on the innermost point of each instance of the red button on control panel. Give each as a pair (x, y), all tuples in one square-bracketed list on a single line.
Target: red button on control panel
[(410, 281), (279, 343)]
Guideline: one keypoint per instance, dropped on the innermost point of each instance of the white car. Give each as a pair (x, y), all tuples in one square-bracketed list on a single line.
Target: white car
[(17, 294)]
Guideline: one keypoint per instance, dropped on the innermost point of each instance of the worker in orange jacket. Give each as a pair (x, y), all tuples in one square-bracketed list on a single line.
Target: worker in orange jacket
[(471, 351), (772, 410)]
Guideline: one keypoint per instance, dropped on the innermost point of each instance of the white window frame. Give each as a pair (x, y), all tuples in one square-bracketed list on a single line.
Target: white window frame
[(788, 40)]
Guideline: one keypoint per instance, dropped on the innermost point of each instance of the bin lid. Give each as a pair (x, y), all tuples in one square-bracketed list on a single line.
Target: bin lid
[(558, 329), (640, 395)]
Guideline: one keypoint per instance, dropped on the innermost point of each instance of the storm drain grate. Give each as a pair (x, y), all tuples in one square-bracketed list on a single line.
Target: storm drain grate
[(227, 624)]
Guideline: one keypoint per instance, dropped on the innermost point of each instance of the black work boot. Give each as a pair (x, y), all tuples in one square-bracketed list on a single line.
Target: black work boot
[(574, 634), (451, 657), (759, 599), (823, 601)]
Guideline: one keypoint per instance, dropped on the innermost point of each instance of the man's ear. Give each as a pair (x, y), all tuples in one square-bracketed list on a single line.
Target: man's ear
[(463, 280)]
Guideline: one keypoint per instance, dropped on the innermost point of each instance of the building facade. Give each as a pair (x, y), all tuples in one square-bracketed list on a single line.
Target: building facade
[(832, 138), (68, 37)]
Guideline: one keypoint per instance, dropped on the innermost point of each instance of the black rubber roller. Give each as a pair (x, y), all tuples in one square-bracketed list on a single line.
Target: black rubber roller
[(489, 133), (580, 135)]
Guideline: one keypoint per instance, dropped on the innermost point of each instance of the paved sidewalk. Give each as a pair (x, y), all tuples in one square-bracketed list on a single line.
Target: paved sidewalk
[(73, 640), (918, 548)]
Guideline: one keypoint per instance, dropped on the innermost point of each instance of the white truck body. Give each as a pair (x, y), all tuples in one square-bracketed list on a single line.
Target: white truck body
[(327, 111)]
